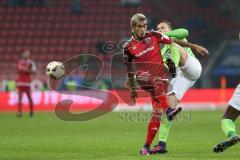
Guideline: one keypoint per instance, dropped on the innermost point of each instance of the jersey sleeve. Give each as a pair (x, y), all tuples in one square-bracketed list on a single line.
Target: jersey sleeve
[(180, 33), (161, 38), (127, 58)]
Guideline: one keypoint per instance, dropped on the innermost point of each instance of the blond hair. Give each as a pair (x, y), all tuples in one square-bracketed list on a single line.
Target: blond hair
[(138, 17)]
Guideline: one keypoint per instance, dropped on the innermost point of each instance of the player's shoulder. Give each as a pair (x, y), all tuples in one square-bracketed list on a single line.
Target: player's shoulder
[(154, 33), (159, 35), (128, 44)]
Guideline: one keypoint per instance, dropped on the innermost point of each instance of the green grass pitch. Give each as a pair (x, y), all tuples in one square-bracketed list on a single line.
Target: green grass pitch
[(106, 138)]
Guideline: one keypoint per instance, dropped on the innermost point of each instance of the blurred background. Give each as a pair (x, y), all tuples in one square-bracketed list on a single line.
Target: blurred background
[(60, 29)]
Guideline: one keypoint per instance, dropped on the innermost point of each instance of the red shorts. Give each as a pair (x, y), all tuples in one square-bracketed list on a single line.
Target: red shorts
[(158, 90), (146, 81), (24, 88)]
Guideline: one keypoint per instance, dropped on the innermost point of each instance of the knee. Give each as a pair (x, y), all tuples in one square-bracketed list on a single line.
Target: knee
[(156, 114), (197, 72), (231, 113)]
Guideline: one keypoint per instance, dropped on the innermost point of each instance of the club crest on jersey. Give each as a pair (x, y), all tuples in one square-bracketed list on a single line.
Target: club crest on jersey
[(148, 40), (134, 47)]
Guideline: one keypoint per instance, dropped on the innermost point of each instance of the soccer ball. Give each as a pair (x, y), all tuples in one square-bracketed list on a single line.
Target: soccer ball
[(55, 70)]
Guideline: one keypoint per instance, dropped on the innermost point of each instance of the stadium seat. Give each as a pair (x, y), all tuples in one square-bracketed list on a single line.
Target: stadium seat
[(52, 30)]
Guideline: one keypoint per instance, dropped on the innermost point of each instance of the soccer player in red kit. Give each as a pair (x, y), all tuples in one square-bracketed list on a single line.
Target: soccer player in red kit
[(26, 67), (143, 49)]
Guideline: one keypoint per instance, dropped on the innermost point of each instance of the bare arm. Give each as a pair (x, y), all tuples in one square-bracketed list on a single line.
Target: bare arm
[(130, 77), (199, 49), (183, 54)]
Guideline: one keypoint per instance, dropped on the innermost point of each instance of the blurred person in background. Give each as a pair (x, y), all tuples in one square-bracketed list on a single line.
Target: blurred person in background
[(26, 67), (9, 83)]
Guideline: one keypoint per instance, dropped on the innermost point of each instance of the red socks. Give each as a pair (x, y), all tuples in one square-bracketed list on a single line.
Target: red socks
[(160, 104), (153, 127)]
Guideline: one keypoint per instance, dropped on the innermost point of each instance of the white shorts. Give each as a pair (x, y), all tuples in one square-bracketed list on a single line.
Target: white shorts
[(235, 100), (185, 78), (192, 69)]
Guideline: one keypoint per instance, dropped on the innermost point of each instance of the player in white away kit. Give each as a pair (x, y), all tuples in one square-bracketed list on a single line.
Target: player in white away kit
[(188, 67), (228, 126), (188, 70)]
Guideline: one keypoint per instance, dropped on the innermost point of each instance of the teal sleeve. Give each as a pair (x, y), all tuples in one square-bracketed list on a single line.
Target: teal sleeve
[(178, 33)]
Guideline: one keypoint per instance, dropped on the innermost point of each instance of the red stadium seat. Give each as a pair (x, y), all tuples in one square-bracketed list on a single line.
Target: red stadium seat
[(50, 31), (3, 42)]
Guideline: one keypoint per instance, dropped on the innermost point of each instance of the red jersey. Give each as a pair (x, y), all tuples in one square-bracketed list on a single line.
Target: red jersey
[(25, 69), (147, 54)]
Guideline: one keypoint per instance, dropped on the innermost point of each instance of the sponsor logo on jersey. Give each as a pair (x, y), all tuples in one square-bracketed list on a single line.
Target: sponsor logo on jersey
[(144, 51), (143, 76)]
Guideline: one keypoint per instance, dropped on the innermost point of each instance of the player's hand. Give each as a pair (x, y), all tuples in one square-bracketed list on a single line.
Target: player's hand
[(133, 95), (159, 80), (199, 49), (127, 85)]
